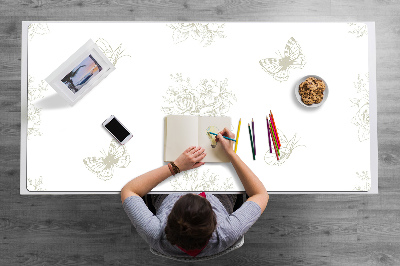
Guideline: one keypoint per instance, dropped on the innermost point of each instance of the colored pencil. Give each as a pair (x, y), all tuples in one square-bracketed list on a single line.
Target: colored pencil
[(269, 137), (237, 135), (251, 140), (274, 131), (254, 136), (277, 136), (222, 136), (274, 141), (274, 138)]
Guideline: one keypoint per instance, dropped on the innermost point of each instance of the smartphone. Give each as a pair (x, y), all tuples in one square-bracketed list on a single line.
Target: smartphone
[(117, 130)]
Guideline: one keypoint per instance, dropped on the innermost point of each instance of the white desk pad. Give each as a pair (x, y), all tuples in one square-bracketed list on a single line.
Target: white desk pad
[(209, 69)]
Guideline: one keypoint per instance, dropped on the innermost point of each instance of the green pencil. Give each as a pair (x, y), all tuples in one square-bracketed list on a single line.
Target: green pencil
[(251, 140), (274, 140)]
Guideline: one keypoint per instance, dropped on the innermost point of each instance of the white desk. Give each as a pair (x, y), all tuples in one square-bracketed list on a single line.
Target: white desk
[(201, 69)]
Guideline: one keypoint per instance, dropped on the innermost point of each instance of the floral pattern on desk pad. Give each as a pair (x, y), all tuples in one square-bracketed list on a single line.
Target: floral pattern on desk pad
[(113, 54), (204, 33), (358, 29), (35, 184), (361, 104), (207, 98), (364, 181), (196, 180), (35, 92), (361, 120), (35, 29), (240, 74)]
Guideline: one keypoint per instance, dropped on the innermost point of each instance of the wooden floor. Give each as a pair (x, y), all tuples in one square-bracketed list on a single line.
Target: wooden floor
[(294, 229)]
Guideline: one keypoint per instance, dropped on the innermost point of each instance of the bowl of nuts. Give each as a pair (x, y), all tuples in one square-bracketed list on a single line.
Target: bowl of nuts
[(311, 91)]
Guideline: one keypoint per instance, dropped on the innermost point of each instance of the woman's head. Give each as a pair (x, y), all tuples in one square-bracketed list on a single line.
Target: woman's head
[(191, 222)]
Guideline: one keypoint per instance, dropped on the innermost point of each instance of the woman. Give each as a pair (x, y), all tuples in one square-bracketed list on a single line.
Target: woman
[(187, 224)]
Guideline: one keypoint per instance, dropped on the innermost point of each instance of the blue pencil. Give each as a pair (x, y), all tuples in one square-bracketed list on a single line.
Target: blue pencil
[(223, 136)]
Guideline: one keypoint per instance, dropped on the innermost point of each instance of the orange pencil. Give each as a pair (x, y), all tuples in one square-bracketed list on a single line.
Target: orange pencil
[(276, 130)]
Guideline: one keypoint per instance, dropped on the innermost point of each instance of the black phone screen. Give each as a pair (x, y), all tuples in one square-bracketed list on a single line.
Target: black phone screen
[(117, 129)]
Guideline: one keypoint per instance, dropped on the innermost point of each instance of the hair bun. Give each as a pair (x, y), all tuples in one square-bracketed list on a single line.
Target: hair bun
[(191, 222), (184, 227)]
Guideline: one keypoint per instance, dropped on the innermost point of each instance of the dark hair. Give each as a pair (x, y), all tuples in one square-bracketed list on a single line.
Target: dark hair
[(191, 222)]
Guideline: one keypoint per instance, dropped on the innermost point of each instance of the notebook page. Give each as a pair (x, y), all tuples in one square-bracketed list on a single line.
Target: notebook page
[(214, 151), (181, 133)]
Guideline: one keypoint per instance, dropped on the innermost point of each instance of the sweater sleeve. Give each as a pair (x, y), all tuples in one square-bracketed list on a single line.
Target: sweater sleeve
[(146, 223), (238, 223)]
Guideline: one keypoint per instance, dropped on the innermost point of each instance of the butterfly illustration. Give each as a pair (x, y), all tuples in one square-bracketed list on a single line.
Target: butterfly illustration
[(285, 151), (103, 167), (279, 67)]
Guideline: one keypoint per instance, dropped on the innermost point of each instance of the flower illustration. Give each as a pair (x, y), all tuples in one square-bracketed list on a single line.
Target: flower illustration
[(112, 54), (35, 92), (209, 98), (361, 103), (361, 120), (364, 181), (287, 147), (205, 33), (186, 101), (35, 29), (191, 181), (33, 121), (36, 184), (358, 29)]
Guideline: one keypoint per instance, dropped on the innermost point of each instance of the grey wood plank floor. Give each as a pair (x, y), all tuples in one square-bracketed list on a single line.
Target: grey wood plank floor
[(294, 229)]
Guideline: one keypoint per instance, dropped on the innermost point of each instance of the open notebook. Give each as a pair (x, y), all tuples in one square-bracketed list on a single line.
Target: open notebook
[(183, 131)]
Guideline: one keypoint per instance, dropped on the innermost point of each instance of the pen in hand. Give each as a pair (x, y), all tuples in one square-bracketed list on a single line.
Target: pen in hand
[(222, 136)]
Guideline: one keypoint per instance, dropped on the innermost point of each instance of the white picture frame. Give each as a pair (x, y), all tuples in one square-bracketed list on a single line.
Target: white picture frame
[(80, 73)]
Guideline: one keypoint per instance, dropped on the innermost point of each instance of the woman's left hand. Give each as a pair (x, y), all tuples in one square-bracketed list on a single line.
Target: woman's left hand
[(190, 158)]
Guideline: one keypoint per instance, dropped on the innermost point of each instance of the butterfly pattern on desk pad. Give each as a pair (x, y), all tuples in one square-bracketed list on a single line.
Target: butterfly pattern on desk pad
[(103, 167), (279, 68), (287, 147)]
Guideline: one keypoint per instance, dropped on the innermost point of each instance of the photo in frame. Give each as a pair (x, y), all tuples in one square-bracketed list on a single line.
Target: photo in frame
[(80, 73)]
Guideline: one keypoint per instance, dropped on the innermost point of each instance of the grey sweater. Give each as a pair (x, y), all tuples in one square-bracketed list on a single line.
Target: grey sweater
[(229, 227)]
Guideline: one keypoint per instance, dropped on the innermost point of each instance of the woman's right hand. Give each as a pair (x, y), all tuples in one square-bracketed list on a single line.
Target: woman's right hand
[(227, 145)]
